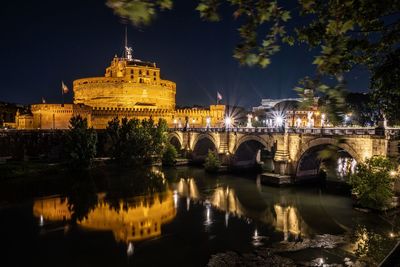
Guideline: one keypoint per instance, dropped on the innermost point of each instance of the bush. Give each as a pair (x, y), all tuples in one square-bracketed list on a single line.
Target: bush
[(212, 163), (372, 182), (80, 143), (169, 155)]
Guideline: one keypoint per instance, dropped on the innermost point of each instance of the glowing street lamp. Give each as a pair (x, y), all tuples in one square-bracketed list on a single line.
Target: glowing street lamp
[(278, 121), (175, 123), (228, 122)]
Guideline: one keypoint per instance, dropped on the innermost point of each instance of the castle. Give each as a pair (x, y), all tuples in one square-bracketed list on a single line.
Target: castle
[(130, 88)]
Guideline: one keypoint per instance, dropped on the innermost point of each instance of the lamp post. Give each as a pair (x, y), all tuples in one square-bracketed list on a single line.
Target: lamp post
[(228, 122)]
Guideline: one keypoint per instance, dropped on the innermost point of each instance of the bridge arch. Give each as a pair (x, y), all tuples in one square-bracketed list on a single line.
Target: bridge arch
[(176, 140), (249, 137), (250, 150), (201, 145), (309, 163)]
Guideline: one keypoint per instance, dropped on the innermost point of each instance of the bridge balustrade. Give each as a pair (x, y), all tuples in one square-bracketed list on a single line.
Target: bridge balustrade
[(313, 131)]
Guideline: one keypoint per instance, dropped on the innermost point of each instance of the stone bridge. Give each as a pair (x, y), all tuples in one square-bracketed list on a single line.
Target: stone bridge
[(291, 152)]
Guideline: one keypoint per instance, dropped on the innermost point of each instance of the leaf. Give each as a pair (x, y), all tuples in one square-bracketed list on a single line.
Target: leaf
[(264, 62), (285, 16), (348, 25)]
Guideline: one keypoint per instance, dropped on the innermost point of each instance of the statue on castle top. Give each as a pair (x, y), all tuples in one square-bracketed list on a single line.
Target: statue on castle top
[(128, 53)]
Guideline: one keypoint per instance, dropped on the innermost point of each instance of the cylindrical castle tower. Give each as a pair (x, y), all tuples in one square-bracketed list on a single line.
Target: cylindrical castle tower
[(128, 83)]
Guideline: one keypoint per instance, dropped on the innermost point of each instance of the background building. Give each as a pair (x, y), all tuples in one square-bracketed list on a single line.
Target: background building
[(290, 113)]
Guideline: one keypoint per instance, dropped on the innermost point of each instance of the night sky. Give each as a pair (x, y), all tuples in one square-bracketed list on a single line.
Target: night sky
[(45, 42)]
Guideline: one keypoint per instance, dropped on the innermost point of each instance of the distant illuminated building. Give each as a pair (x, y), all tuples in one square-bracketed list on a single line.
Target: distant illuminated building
[(130, 88), (142, 219), (287, 112)]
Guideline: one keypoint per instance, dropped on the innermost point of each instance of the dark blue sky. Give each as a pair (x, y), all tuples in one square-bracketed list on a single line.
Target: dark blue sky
[(44, 42)]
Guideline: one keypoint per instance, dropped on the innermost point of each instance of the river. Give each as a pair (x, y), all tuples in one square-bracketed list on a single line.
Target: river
[(183, 217)]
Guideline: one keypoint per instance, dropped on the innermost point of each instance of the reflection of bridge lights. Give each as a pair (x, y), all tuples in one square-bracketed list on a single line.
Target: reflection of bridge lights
[(130, 249), (345, 167), (257, 239), (226, 219), (391, 235), (41, 220), (208, 214), (187, 203), (175, 198)]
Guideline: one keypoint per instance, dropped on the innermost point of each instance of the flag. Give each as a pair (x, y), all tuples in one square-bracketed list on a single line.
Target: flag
[(64, 88), (219, 96), (43, 100)]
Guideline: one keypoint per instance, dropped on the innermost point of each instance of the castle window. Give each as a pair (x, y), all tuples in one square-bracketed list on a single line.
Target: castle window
[(131, 71), (141, 80), (147, 73), (155, 73), (131, 76), (155, 78), (140, 72)]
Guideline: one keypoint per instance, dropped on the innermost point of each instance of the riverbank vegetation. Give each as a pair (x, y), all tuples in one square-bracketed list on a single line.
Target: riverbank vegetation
[(169, 155), (211, 163), (80, 143), (372, 183)]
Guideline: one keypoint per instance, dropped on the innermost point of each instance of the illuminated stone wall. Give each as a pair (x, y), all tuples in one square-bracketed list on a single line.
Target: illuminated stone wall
[(57, 116), (127, 84)]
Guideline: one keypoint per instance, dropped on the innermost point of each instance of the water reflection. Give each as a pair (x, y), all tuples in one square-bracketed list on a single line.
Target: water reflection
[(283, 217), (225, 209), (345, 167), (141, 219)]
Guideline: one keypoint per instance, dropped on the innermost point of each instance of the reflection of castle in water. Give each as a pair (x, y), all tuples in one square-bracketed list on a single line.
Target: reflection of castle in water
[(138, 221), (284, 218)]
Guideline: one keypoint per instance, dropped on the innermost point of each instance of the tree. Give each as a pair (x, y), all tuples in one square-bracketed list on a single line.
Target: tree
[(373, 182), (169, 155), (362, 109), (211, 163), (80, 143), (134, 141), (385, 85), (345, 33)]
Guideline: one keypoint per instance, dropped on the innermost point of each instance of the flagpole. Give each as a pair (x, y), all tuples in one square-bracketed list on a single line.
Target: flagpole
[(62, 93)]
